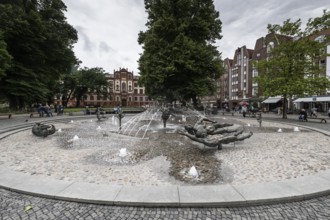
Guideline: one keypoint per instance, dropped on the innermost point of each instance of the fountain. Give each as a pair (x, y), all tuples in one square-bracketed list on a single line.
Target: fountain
[(140, 138), (193, 172), (123, 152)]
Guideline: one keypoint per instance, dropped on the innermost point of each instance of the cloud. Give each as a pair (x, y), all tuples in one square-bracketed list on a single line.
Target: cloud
[(83, 37), (108, 29)]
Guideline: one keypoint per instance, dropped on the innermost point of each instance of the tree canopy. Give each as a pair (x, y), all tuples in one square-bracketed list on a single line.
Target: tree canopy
[(179, 60), (293, 66), (82, 82), (5, 57), (40, 41), (91, 81)]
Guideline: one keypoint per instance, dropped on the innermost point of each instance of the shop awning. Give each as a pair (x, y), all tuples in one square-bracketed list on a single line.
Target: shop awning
[(272, 100), (313, 99)]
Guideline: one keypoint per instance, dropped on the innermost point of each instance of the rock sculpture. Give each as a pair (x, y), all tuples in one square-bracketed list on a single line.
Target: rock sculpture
[(213, 134), (42, 130), (100, 113), (165, 115), (120, 115)]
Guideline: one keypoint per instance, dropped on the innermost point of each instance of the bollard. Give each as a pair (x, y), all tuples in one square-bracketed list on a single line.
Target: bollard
[(259, 118)]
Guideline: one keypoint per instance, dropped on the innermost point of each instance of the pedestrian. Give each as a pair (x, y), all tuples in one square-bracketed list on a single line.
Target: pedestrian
[(244, 110), (303, 114), (329, 112)]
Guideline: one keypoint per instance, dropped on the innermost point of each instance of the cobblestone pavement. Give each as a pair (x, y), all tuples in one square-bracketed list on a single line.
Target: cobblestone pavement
[(18, 206)]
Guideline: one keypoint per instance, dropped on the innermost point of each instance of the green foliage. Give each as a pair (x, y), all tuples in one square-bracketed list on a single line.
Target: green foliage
[(179, 60), (88, 81), (5, 57), (40, 42), (292, 67), (318, 24)]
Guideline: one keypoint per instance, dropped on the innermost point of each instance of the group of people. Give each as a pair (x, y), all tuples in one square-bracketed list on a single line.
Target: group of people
[(303, 114), (46, 110)]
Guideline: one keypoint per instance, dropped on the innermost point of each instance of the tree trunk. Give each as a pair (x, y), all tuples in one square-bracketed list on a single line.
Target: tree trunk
[(285, 106)]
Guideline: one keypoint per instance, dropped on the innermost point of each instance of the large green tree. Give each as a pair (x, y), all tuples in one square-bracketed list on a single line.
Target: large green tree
[(40, 41), (292, 67), (92, 81), (179, 59), (5, 57)]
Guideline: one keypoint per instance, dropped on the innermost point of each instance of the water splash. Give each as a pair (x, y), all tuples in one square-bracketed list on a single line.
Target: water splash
[(184, 119), (296, 129), (279, 130), (75, 138), (123, 152), (193, 172)]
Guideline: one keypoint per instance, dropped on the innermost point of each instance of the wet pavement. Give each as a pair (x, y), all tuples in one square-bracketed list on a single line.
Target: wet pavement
[(20, 206)]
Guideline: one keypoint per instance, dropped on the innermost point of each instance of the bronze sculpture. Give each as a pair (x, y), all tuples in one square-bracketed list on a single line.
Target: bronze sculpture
[(213, 134), (42, 130)]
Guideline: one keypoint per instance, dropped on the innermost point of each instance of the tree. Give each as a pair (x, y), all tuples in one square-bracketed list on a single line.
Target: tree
[(91, 81), (292, 67), (40, 42), (5, 57), (179, 60)]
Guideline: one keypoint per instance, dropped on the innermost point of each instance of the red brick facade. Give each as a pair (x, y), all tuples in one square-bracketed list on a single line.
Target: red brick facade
[(124, 91)]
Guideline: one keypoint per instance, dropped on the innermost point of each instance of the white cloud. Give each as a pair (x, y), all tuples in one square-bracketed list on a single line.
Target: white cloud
[(108, 29)]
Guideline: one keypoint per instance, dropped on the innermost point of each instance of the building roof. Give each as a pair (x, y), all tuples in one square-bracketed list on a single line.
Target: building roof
[(313, 99)]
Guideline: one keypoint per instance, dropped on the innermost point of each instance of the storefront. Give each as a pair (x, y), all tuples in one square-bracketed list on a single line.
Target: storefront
[(318, 103), (271, 103)]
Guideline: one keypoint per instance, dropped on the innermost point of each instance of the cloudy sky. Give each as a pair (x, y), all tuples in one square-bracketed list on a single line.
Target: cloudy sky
[(108, 29)]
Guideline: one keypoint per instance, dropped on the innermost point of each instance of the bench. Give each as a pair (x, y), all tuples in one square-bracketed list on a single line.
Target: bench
[(9, 115), (228, 113), (321, 119)]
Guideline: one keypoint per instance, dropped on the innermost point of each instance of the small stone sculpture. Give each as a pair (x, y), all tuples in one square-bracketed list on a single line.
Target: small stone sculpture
[(165, 115), (120, 115), (100, 113), (213, 134), (42, 130)]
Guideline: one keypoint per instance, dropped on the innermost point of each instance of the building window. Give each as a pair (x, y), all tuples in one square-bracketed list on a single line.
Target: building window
[(141, 99), (123, 87), (141, 91), (117, 87), (129, 88)]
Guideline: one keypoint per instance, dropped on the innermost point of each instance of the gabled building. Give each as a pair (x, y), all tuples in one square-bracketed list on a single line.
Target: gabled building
[(239, 77), (225, 84), (124, 91)]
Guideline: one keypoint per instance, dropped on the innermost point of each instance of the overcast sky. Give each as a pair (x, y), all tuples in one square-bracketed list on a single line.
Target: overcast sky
[(108, 29)]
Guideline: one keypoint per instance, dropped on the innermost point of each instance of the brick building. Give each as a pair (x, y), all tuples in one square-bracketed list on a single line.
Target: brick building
[(124, 90), (236, 83)]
